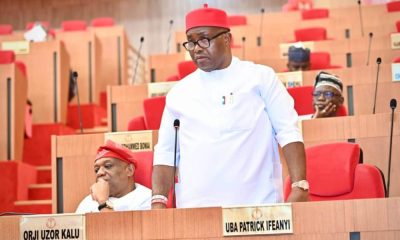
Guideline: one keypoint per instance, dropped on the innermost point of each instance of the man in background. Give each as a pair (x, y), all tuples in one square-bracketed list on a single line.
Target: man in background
[(298, 58)]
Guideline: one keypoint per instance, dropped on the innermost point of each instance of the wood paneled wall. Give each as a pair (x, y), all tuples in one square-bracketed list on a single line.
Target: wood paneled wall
[(148, 18)]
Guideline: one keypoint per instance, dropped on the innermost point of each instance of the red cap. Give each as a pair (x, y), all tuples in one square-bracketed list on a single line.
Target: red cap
[(115, 150), (206, 17)]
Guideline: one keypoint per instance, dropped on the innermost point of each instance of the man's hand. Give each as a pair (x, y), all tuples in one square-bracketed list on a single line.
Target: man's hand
[(100, 191), (158, 206), (328, 110), (298, 195)]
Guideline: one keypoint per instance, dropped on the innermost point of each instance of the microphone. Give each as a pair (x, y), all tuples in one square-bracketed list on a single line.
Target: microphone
[(361, 19), (378, 62), (393, 105), (137, 60), (176, 126), (75, 78), (243, 47), (369, 46), (171, 22), (259, 38)]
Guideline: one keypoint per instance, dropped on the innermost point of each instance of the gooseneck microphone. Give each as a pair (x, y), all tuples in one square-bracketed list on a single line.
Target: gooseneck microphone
[(137, 60), (378, 62), (369, 46), (259, 38), (361, 18), (75, 78), (243, 48), (176, 126), (393, 105), (171, 22)]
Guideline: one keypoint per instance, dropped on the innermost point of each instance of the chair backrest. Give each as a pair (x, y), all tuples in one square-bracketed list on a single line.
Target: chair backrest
[(7, 56), (397, 60), (103, 22), (153, 110), (73, 25), (398, 26), (137, 124), (315, 13), (237, 20), (6, 29), (30, 25), (185, 68), (334, 172), (173, 78), (342, 111), (320, 60), (393, 6), (310, 34), (303, 99)]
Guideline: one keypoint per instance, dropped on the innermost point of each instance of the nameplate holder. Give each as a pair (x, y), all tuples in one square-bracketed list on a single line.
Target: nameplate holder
[(136, 141), (60, 226), (159, 89), (19, 47), (395, 40), (291, 79), (396, 72), (268, 219), (284, 48)]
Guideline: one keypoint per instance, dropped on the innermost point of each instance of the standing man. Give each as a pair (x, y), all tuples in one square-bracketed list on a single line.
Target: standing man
[(115, 188), (233, 114)]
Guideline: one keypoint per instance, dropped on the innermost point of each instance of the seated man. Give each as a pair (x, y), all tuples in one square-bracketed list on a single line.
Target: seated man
[(115, 188), (298, 58), (327, 95)]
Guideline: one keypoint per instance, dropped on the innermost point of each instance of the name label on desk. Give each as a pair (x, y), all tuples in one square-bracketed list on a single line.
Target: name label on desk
[(395, 39), (396, 72), (62, 226), (284, 48), (159, 89), (257, 220), (19, 47), (291, 79), (137, 141)]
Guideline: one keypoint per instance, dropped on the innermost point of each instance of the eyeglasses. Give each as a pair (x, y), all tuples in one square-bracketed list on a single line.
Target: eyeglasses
[(202, 42), (327, 94)]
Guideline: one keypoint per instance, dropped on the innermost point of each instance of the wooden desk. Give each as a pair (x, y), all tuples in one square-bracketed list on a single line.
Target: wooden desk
[(85, 54), (164, 65), (370, 131), (114, 57), (47, 66), (13, 94), (370, 219)]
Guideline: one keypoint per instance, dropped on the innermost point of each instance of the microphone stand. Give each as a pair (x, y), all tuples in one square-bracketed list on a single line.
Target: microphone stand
[(393, 104), (75, 77), (378, 61), (176, 126)]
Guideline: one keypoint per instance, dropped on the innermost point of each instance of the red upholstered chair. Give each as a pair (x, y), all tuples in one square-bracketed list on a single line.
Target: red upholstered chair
[(393, 6), (6, 29), (334, 173), (310, 34), (342, 111), (320, 61), (153, 110), (303, 99), (315, 13), (185, 68), (237, 20), (143, 173), (92, 115), (7, 57), (103, 22), (398, 26), (73, 25), (173, 78), (397, 60)]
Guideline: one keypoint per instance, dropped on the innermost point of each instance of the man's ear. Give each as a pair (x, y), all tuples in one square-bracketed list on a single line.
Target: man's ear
[(130, 170), (228, 38)]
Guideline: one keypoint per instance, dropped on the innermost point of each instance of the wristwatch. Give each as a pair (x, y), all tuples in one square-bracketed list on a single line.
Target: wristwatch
[(303, 184), (106, 204)]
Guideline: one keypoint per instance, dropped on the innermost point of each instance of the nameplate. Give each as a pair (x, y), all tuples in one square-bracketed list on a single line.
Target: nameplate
[(19, 47), (61, 226), (395, 40), (137, 141), (284, 48), (159, 89), (396, 72), (258, 220), (291, 79)]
